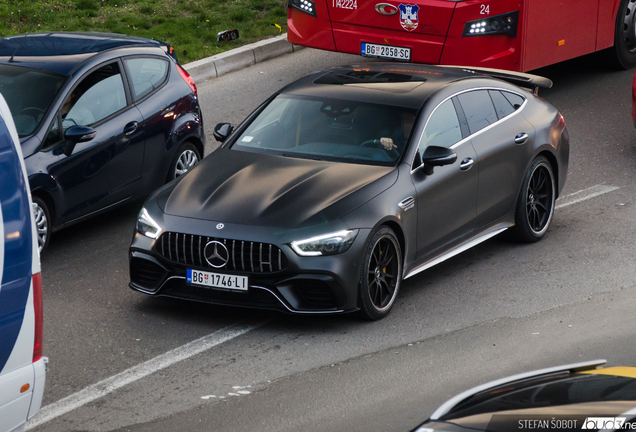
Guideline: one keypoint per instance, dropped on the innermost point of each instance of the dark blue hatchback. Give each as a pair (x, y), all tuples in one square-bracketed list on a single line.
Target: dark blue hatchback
[(103, 119)]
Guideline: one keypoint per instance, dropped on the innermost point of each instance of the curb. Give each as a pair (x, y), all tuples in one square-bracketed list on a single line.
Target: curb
[(239, 58)]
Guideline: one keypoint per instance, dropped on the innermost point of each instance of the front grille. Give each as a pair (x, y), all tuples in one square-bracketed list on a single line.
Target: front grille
[(145, 273), (244, 256)]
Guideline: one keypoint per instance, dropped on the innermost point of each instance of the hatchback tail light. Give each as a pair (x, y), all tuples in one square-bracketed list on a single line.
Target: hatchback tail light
[(39, 317), (188, 79)]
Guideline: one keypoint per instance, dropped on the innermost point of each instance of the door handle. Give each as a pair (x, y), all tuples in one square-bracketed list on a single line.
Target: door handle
[(466, 164), (521, 138), (131, 127)]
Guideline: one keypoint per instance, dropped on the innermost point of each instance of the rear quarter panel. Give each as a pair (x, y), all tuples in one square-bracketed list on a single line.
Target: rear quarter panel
[(171, 116), (549, 139)]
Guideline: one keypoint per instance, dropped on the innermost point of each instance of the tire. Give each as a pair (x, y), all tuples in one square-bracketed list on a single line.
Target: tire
[(184, 160), (380, 277), (623, 54), (535, 205), (43, 223)]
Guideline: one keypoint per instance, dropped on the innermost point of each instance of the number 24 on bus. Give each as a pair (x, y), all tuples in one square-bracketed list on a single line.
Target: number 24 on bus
[(517, 35)]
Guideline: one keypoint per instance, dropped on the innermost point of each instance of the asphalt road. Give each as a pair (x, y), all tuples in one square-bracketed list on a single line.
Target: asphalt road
[(497, 309)]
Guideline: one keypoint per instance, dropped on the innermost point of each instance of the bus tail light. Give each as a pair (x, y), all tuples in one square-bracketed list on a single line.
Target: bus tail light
[(498, 24), (188, 79), (307, 6), (39, 317)]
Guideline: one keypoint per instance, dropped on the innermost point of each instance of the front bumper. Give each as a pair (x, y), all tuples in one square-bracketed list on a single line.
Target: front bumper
[(304, 285)]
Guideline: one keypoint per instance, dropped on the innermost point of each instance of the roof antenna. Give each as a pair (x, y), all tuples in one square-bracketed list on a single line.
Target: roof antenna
[(26, 34)]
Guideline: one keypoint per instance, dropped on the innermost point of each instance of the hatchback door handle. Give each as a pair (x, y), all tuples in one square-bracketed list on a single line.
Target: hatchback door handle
[(131, 127), (521, 138), (466, 164)]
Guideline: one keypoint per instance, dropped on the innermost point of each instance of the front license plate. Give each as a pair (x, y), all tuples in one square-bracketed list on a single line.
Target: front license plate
[(385, 51), (218, 280)]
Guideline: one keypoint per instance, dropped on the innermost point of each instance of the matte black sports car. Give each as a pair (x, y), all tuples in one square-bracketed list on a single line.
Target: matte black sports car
[(103, 119), (350, 180), (568, 398)]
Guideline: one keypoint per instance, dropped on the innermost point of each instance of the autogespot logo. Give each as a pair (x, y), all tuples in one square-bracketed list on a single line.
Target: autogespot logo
[(604, 423), (386, 9), (216, 254)]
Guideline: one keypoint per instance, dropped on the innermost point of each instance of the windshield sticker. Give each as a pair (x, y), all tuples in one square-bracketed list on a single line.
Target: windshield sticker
[(247, 138), (408, 16)]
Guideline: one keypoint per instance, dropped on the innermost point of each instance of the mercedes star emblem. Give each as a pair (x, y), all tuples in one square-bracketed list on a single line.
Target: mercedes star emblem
[(216, 254)]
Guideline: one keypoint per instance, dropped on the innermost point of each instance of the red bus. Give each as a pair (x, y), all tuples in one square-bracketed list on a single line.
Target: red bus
[(518, 35)]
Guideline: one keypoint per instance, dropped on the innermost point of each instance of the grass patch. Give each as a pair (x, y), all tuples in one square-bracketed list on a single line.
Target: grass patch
[(190, 26)]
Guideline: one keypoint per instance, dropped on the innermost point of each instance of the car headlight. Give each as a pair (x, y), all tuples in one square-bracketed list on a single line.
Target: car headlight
[(147, 225), (328, 244)]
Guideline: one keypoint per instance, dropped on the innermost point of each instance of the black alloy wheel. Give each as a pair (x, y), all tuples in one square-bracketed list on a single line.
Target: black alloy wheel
[(381, 274), (535, 206), (185, 159), (42, 223), (624, 51)]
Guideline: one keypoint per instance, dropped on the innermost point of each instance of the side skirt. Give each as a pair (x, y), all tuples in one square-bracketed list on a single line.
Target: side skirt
[(91, 214), (473, 241)]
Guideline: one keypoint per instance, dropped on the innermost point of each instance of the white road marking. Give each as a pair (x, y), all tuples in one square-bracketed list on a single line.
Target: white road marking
[(584, 194), (135, 373)]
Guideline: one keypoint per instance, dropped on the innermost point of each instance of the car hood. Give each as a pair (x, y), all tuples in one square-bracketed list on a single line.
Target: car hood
[(258, 189)]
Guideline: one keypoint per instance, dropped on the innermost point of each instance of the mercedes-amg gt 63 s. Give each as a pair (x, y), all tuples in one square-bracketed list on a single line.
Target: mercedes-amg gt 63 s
[(350, 180)]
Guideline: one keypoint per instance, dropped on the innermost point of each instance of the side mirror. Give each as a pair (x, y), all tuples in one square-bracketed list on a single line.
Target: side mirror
[(74, 135), (437, 156), (222, 131)]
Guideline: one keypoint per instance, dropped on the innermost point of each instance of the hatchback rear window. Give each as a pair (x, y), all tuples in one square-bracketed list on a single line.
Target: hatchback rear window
[(146, 74), (29, 94)]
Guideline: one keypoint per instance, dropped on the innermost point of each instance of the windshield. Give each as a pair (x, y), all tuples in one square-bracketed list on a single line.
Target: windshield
[(29, 93), (332, 130)]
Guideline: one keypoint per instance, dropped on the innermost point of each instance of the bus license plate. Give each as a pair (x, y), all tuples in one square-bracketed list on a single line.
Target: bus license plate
[(385, 51), (218, 280)]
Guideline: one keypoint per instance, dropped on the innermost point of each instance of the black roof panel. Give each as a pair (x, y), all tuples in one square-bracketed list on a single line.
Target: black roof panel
[(61, 52), (405, 85)]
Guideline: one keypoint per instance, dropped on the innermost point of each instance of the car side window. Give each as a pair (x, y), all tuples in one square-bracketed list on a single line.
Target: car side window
[(478, 109), (442, 128), (146, 74), (97, 96), (514, 99), (502, 105)]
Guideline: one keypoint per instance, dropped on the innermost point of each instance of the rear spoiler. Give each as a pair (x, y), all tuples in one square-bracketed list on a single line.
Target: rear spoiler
[(452, 403), (518, 78), (170, 51)]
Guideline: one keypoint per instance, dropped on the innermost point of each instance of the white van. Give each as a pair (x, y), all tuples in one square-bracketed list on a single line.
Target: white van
[(22, 367)]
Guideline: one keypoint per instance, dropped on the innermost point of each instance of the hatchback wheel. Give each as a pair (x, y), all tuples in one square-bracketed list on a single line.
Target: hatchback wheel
[(185, 159), (381, 274), (42, 223), (535, 206)]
